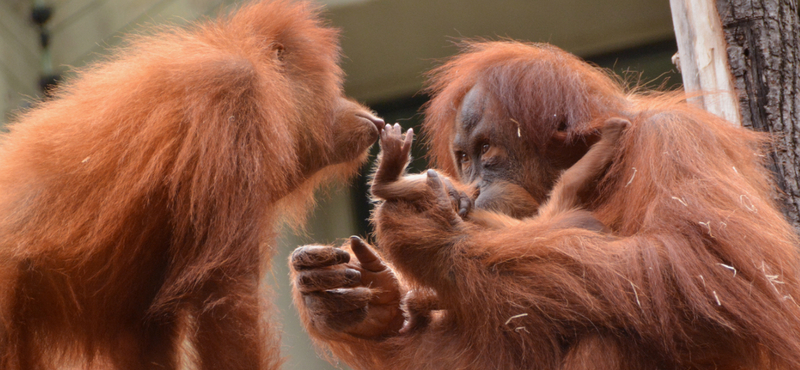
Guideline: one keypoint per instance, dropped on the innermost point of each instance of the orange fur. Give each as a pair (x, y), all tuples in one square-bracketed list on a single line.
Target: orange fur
[(141, 200), (702, 270)]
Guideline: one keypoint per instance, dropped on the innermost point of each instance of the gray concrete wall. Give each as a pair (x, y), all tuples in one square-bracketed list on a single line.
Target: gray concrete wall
[(19, 57)]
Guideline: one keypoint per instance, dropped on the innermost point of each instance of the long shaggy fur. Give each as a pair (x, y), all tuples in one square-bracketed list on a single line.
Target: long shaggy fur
[(141, 199), (701, 270)]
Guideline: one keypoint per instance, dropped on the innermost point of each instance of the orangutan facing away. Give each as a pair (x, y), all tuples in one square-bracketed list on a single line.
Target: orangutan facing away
[(138, 205)]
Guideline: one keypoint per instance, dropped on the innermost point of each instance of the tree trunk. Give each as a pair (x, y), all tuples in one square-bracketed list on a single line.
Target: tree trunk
[(763, 47)]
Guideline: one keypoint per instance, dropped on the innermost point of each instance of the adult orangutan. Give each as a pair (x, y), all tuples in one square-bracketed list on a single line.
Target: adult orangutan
[(138, 205), (701, 271)]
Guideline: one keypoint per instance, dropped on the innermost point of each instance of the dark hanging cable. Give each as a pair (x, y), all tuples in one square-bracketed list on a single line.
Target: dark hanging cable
[(48, 78)]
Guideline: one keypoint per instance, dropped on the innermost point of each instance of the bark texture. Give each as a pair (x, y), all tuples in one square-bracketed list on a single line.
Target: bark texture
[(762, 38)]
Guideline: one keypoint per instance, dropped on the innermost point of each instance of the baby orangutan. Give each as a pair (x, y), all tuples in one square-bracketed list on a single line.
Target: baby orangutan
[(347, 301), (563, 202)]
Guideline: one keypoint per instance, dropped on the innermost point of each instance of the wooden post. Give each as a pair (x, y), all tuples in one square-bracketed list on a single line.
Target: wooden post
[(757, 44), (703, 57)]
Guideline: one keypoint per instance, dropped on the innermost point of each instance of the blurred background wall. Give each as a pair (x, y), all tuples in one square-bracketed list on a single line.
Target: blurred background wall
[(388, 46)]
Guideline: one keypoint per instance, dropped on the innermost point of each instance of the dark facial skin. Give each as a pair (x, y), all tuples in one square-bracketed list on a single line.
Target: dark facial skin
[(510, 176)]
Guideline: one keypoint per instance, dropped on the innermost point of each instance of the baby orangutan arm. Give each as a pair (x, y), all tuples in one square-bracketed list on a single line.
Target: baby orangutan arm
[(389, 183), (563, 202), (700, 273), (434, 207), (357, 296), (390, 186), (338, 307), (565, 193), (564, 197)]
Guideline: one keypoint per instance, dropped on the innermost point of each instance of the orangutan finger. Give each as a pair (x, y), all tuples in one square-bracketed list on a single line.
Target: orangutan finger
[(397, 130), (441, 197), (408, 140), (338, 300), (369, 260), (464, 204), (316, 256), (455, 194), (434, 182), (386, 133), (316, 280)]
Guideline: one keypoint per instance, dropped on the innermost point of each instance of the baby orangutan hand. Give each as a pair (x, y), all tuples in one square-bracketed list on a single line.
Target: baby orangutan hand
[(390, 182)]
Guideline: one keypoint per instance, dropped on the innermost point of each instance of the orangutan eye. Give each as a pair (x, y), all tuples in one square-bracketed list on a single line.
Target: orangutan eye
[(484, 148), (462, 157)]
